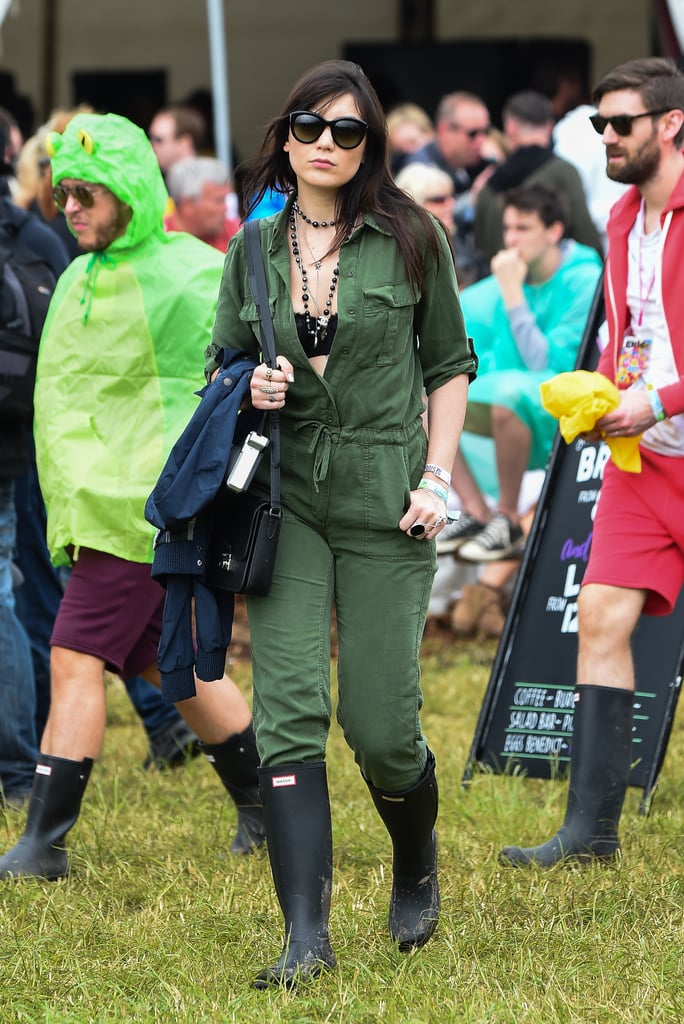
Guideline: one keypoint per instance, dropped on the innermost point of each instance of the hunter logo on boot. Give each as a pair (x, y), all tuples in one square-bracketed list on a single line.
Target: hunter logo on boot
[(279, 781)]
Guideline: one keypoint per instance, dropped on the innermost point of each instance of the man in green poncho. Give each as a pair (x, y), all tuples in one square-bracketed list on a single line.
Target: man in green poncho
[(121, 357)]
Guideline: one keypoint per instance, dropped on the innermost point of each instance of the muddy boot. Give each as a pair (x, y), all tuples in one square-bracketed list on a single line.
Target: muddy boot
[(410, 818), (299, 840), (235, 761), (58, 788), (599, 771), (465, 615), (493, 612)]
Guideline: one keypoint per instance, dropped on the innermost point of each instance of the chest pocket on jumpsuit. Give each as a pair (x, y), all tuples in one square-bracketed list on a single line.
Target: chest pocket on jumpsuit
[(386, 326), (249, 315)]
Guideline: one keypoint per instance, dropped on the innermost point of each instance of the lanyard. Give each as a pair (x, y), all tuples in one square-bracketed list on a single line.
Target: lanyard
[(643, 299)]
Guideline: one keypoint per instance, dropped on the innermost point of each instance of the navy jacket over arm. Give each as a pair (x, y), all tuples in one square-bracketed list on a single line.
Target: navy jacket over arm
[(180, 508)]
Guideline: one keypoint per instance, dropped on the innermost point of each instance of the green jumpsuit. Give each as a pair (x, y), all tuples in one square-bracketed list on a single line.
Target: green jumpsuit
[(353, 447)]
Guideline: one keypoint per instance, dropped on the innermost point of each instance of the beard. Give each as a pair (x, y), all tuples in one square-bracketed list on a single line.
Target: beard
[(639, 168), (114, 228), (103, 234)]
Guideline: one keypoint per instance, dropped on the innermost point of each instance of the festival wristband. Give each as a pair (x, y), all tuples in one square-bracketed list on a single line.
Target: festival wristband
[(430, 485), (655, 403), (439, 472)]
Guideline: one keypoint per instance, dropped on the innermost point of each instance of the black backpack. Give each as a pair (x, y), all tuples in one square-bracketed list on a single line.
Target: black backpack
[(26, 286)]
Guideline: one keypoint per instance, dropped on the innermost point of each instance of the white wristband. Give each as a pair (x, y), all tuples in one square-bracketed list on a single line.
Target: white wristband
[(439, 472)]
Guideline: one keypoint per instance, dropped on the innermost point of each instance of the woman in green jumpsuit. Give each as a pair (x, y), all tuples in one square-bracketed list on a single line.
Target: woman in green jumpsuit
[(367, 322)]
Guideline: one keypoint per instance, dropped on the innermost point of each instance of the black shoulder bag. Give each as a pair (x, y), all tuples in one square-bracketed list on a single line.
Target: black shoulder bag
[(246, 528)]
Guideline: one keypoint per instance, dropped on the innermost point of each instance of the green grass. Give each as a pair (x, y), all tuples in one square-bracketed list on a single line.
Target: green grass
[(159, 923)]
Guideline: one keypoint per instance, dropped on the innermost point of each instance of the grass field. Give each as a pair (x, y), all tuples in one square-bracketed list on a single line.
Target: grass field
[(158, 923)]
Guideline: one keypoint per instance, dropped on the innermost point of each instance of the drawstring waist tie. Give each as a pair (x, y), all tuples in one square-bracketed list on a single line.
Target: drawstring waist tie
[(324, 437)]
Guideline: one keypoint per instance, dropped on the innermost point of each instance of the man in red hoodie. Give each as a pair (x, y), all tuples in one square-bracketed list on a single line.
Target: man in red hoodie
[(636, 563)]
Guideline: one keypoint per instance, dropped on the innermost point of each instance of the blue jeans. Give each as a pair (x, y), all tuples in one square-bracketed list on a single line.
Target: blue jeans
[(39, 596), (154, 713), (18, 741)]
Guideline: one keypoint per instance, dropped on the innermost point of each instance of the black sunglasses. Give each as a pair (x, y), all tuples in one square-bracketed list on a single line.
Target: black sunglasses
[(472, 133), (85, 195), (347, 132), (621, 123)]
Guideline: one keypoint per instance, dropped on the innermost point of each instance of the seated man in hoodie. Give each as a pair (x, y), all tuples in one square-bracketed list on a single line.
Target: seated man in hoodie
[(121, 358), (527, 321)]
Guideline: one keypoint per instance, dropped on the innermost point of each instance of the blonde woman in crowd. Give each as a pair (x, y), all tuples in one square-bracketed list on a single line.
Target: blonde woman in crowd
[(433, 189), (409, 128)]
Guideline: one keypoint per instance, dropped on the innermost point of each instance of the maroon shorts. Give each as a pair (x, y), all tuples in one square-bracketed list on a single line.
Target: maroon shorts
[(111, 609), (638, 540)]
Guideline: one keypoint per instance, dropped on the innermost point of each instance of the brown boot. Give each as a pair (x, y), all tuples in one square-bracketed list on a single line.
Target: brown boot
[(465, 614), (493, 612)]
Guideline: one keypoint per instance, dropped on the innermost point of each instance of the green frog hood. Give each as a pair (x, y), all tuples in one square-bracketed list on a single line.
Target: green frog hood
[(110, 150), (122, 350)]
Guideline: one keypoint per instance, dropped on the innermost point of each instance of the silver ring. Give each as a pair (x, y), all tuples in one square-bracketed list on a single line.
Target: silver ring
[(269, 373), (271, 398), (268, 389)]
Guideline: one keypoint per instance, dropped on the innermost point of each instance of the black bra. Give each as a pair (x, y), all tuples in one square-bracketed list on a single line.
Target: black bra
[(313, 346)]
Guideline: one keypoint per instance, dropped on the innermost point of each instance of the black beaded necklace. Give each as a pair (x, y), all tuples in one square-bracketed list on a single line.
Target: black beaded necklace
[(314, 223), (316, 326)]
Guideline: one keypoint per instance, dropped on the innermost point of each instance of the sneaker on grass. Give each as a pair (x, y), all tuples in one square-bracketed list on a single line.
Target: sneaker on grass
[(454, 534), (498, 540)]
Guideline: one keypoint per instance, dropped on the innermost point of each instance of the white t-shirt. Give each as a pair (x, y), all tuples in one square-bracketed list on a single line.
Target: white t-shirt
[(646, 356)]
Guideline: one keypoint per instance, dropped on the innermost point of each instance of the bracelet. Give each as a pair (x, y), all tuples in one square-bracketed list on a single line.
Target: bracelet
[(438, 471), (430, 485), (655, 403)]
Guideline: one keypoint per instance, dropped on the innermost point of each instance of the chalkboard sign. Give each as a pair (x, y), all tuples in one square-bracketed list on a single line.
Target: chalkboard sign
[(526, 718)]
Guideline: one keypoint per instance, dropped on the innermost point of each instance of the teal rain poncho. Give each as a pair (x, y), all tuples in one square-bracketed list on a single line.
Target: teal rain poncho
[(121, 354)]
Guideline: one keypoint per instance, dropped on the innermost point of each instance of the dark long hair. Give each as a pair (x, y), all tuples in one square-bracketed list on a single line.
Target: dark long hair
[(371, 190)]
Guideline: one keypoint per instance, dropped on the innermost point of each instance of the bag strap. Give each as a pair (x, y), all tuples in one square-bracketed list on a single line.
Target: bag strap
[(259, 290)]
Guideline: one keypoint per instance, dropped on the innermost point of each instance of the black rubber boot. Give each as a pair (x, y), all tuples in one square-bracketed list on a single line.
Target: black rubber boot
[(299, 839), (599, 771), (58, 788), (410, 818), (235, 761)]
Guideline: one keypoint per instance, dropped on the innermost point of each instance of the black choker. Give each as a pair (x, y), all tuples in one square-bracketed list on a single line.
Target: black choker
[(314, 223)]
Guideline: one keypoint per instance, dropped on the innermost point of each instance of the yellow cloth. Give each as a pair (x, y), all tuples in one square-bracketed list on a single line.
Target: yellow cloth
[(577, 400)]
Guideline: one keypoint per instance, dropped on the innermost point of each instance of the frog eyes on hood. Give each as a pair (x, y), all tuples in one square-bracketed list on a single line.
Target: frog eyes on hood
[(86, 141)]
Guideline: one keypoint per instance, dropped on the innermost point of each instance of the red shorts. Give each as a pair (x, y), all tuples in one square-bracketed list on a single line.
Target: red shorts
[(638, 540), (111, 609)]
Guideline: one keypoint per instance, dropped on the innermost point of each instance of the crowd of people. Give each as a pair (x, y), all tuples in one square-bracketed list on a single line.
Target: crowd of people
[(425, 278), (529, 253)]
